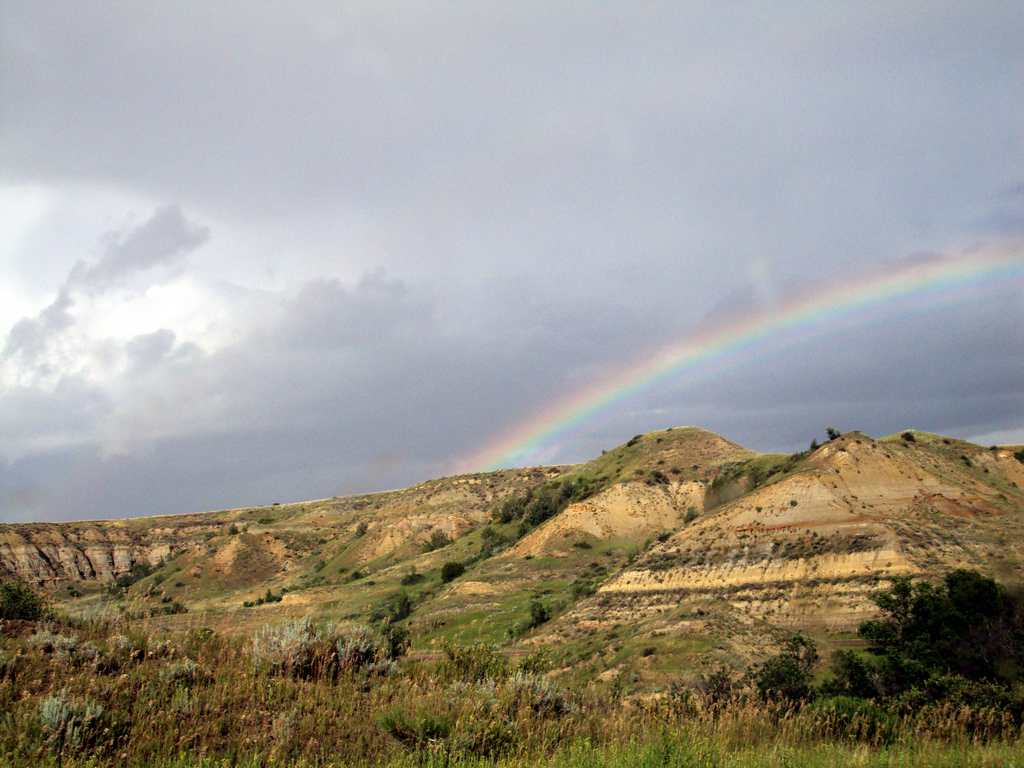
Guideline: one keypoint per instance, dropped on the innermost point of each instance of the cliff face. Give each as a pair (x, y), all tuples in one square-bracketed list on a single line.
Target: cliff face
[(97, 552), (385, 526), (810, 547)]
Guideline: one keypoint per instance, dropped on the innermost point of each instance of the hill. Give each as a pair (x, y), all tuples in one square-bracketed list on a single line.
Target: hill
[(674, 551)]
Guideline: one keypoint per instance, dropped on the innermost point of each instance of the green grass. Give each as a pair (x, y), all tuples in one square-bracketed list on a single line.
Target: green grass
[(670, 750)]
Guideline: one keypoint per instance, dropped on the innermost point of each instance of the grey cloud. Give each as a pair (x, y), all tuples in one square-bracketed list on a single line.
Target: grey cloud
[(147, 350), (163, 240), (29, 336), (539, 194), (36, 421)]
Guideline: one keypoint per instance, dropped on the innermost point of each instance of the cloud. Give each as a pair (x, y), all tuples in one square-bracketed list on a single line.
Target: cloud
[(38, 348), (149, 349), (30, 335), (430, 224), (160, 242)]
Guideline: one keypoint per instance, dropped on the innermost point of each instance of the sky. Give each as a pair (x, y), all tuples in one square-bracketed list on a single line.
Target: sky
[(262, 251)]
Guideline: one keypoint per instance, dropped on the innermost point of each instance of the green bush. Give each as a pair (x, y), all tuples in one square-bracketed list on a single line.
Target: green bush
[(452, 570), (303, 650), (510, 509), (18, 601), (472, 663), (412, 577), (968, 626), (786, 677), (396, 608), (73, 726), (853, 674), (438, 540), (415, 730)]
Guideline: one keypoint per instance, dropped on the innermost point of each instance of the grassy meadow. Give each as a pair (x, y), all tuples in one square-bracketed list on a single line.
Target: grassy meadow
[(76, 693)]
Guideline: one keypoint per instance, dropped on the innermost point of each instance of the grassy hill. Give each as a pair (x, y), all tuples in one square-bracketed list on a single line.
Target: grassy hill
[(677, 550)]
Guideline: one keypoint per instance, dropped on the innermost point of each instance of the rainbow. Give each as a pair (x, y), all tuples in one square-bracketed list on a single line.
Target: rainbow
[(807, 308)]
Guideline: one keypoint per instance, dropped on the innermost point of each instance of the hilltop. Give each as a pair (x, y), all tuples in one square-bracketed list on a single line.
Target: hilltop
[(674, 551)]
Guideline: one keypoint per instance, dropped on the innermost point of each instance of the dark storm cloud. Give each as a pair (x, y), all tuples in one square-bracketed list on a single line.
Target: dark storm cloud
[(487, 206)]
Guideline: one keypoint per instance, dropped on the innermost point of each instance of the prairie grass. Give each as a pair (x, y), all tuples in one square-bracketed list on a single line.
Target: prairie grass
[(326, 697)]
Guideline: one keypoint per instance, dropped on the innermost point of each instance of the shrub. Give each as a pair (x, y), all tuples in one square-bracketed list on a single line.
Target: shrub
[(451, 571), (1019, 455), (18, 601), (268, 598), (137, 572), (296, 649), (472, 663), (396, 640), (786, 677), (416, 730), (232, 530), (539, 614), (658, 478), (583, 588), (510, 509), (717, 688), (833, 433), (852, 675), (538, 693), (438, 540), (358, 648), (412, 577), (490, 537), (908, 437), (304, 651), (67, 650), (123, 651), (360, 530), (184, 673), (73, 726), (486, 737), (397, 607)]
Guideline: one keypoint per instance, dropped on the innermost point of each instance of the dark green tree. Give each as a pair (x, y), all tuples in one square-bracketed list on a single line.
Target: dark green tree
[(18, 601), (787, 675)]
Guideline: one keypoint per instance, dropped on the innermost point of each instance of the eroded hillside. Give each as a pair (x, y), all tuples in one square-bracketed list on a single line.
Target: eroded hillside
[(675, 550)]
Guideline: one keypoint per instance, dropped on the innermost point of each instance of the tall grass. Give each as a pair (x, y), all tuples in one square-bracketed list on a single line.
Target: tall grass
[(329, 696)]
